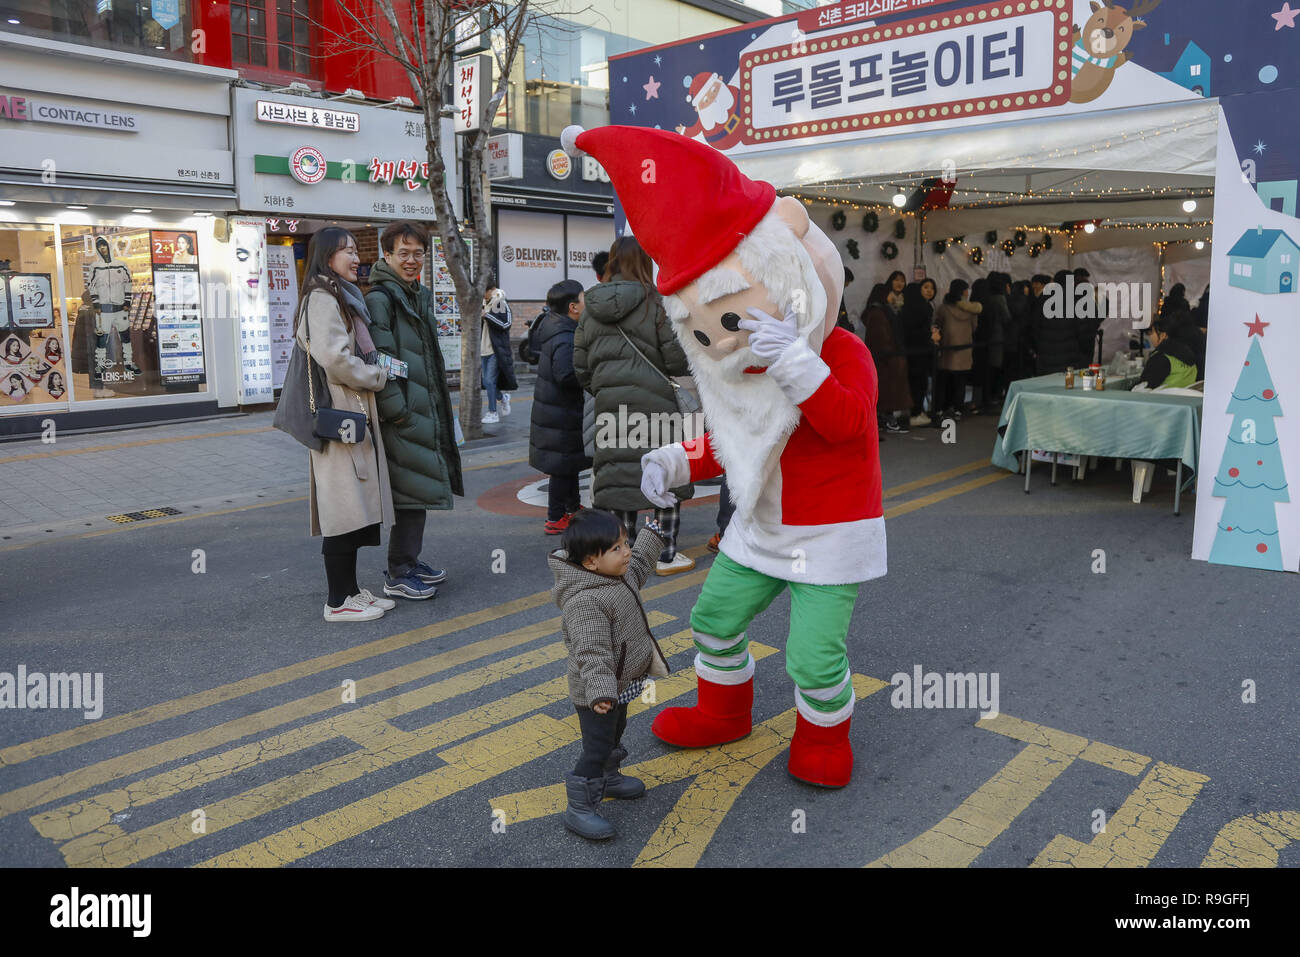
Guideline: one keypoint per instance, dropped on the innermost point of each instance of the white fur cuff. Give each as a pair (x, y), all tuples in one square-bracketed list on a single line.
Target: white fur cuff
[(799, 372), (674, 461)]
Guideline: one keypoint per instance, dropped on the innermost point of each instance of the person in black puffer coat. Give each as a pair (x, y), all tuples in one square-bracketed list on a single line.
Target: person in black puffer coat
[(1056, 338), (555, 441), (918, 325)]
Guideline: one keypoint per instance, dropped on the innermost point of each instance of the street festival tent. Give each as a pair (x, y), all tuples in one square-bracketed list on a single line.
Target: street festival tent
[(1005, 128)]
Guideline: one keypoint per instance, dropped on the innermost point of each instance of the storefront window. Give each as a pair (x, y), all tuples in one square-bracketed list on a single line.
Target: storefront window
[(125, 25), (32, 353), (560, 77), (133, 295), (272, 34)]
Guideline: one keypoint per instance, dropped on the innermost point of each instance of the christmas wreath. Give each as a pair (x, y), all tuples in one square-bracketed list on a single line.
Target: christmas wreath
[(838, 219), (977, 255), (1047, 240), (1009, 247), (941, 247), (991, 237), (889, 249), (871, 222), (1021, 238), (852, 247), (900, 230), (1035, 250)]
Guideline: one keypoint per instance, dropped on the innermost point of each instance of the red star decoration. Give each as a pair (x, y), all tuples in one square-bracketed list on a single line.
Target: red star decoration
[(1257, 327)]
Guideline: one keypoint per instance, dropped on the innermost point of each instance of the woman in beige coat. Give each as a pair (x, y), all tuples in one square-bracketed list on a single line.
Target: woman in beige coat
[(955, 322), (350, 494)]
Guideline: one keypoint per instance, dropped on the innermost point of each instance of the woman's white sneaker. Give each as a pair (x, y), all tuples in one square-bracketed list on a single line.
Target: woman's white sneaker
[(504, 405), (370, 598), (353, 609), (680, 563), (490, 418)]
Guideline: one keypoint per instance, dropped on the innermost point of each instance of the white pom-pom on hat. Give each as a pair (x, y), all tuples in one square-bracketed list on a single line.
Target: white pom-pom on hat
[(569, 140)]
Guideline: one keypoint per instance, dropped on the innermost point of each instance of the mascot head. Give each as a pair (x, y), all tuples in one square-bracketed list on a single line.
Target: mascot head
[(724, 244)]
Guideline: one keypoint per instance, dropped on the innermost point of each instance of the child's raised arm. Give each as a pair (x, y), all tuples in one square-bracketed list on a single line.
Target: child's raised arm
[(591, 645), (645, 553)]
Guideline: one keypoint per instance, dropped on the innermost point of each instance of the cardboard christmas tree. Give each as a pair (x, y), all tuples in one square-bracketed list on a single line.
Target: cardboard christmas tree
[(1251, 476)]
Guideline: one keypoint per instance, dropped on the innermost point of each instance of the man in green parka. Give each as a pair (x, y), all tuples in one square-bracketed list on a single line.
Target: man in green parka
[(415, 411)]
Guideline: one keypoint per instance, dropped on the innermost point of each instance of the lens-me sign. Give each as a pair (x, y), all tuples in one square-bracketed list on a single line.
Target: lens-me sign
[(980, 60), (40, 111)]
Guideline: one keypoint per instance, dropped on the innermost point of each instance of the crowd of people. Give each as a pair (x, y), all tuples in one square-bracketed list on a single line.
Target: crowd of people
[(984, 335)]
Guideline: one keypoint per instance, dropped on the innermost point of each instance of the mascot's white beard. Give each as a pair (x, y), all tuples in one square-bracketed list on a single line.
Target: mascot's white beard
[(716, 113), (748, 415)]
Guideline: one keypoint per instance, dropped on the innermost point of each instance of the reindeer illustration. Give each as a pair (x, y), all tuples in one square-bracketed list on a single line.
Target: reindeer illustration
[(1099, 46)]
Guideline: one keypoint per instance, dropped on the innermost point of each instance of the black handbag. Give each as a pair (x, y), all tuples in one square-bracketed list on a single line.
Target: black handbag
[(333, 425)]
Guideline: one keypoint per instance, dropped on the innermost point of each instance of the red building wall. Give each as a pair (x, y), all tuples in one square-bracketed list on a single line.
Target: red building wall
[(335, 67)]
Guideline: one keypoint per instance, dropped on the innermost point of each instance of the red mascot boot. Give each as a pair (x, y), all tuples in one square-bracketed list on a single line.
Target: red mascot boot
[(821, 756), (724, 713)]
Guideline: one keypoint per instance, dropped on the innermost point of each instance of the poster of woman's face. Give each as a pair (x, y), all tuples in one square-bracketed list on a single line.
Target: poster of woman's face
[(12, 351), (53, 351), (54, 386), (37, 369), (15, 387), (248, 239), (169, 246)]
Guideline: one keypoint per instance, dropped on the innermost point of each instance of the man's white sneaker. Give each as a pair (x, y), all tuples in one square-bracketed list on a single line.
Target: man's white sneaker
[(370, 598), (354, 609), (680, 563), (504, 405), (490, 418)]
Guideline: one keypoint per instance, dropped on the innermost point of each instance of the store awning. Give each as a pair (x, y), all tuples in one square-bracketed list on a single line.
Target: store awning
[(26, 187)]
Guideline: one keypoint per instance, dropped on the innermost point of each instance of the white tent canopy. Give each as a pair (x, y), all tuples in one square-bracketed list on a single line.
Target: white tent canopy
[(1124, 166)]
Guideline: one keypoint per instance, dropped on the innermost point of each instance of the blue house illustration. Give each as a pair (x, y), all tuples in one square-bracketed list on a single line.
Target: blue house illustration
[(1184, 62), (1264, 261)]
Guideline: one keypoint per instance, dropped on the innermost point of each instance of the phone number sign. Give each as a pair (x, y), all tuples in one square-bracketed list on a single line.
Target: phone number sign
[(993, 58)]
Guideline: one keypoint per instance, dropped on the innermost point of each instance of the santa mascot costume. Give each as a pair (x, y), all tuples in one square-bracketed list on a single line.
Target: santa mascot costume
[(753, 290)]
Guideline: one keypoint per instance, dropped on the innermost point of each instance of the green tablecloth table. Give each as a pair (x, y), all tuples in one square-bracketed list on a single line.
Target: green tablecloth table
[(1040, 413)]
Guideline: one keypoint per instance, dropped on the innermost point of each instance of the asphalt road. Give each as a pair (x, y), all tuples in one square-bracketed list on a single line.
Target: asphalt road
[(226, 739)]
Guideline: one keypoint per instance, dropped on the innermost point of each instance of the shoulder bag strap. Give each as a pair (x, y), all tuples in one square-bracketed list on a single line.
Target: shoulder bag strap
[(677, 389)]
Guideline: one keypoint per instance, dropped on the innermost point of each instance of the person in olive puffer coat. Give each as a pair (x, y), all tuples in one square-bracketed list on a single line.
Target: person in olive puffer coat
[(627, 389), (415, 412)]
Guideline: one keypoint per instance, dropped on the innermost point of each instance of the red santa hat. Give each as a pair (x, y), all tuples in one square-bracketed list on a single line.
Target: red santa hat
[(687, 204), (695, 86)]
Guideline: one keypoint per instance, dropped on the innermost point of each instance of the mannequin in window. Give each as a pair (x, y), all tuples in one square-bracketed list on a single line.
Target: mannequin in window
[(110, 290)]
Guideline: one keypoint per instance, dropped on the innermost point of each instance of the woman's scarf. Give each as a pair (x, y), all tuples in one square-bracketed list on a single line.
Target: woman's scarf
[(357, 303)]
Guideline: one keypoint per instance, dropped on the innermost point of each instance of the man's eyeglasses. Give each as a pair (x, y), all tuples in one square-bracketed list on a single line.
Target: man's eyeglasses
[(416, 257)]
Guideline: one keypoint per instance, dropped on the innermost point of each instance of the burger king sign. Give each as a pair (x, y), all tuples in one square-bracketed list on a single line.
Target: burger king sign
[(558, 164)]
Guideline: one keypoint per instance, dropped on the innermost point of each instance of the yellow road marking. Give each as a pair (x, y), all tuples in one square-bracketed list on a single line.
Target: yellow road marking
[(964, 834), (106, 727), (1138, 829), (936, 478), (934, 497), (467, 764), (1255, 840), (27, 457), (92, 840)]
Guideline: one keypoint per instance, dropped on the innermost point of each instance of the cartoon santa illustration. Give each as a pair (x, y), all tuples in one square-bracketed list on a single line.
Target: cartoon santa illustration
[(752, 288), (715, 103)]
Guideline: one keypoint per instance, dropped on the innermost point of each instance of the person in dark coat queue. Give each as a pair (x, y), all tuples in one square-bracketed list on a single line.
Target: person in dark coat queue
[(555, 442), (885, 339), (918, 321)]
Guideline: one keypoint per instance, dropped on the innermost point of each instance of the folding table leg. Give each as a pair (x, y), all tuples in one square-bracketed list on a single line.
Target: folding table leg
[(1029, 465), (1178, 489), (1053, 470)]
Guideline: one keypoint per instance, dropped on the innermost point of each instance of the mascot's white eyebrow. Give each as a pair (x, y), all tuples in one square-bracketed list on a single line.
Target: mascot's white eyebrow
[(720, 282)]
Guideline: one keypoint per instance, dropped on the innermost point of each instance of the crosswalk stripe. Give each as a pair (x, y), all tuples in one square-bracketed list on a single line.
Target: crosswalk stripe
[(1255, 840), (106, 847), (467, 764), (110, 769)]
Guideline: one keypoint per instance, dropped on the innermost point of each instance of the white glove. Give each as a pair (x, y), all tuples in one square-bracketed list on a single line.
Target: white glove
[(770, 337), (654, 485)]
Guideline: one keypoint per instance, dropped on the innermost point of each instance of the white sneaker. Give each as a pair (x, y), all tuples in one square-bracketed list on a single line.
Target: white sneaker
[(354, 609), (680, 563), (504, 405), (369, 598), (490, 418)]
